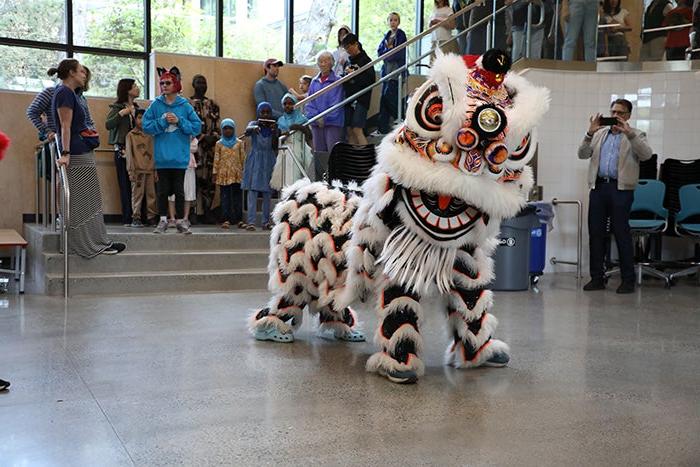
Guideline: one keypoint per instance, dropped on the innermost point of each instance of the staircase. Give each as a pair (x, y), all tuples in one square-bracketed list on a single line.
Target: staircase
[(209, 260)]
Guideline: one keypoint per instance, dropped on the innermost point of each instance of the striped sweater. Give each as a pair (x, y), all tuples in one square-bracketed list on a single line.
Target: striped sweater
[(41, 105)]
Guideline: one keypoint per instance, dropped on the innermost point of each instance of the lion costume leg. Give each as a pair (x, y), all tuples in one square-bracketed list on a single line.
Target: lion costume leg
[(470, 325), (398, 336)]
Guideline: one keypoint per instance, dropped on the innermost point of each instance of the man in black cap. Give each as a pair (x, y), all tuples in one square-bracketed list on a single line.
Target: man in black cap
[(269, 88)]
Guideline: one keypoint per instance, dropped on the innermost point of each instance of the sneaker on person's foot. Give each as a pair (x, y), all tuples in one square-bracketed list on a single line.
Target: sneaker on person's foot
[(183, 227), (4, 385), (161, 227), (116, 248), (226, 225), (171, 223), (626, 287), (594, 284), (136, 223)]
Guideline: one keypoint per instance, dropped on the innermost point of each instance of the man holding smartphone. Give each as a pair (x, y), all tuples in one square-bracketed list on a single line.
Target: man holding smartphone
[(614, 149)]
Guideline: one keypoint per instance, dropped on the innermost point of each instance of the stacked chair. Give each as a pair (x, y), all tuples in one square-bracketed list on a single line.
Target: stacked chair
[(349, 162), (680, 176)]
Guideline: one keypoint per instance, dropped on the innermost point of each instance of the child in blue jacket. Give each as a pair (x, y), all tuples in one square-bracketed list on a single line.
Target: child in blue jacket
[(172, 121)]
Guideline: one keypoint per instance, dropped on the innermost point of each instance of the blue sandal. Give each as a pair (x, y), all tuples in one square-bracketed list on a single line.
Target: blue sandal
[(351, 336), (274, 334)]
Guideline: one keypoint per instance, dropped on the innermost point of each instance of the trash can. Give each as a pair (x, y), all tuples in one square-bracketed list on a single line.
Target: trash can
[(538, 239), (512, 259)]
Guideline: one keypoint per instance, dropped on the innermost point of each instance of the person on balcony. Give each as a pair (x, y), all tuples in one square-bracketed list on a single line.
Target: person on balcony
[(356, 111), (328, 129), (653, 43), (389, 104), (583, 18), (678, 40), (614, 14)]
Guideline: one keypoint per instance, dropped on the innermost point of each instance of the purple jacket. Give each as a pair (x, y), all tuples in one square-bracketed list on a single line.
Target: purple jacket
[(326, 101)]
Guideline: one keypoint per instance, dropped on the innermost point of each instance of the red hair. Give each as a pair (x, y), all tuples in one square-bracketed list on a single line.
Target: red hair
[(4, 144)]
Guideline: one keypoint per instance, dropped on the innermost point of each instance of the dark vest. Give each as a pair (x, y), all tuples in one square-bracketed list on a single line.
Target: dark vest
[(654, 18)]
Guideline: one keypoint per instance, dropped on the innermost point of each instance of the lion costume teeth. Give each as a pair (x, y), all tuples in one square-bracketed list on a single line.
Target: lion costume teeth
[(424, 223)]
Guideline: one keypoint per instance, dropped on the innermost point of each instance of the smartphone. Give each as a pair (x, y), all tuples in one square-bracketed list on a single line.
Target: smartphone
[(608, 121)]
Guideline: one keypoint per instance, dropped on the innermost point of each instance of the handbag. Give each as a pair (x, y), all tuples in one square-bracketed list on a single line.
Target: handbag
[(91, 138)]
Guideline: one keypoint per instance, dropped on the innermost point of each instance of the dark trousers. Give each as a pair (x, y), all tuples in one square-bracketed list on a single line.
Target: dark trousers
[(607, 201), (231, 203), (171, 182), (124, 186), (389, 105)]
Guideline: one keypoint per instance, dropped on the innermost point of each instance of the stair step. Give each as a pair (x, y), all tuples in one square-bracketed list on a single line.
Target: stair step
[(145, 282), (164, 260), (203, 237)]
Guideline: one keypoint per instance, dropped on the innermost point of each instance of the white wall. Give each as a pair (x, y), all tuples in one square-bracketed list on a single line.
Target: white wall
[(666, 106)]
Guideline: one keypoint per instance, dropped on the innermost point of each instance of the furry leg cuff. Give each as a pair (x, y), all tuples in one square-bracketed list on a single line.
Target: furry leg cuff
[(257, 323), (456, 354), (382, 363)]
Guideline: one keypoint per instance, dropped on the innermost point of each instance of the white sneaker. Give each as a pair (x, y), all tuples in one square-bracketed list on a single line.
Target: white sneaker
[(161, 227)]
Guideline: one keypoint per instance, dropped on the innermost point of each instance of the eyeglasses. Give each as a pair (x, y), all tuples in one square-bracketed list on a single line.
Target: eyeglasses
[(166, 83), (619, 112)]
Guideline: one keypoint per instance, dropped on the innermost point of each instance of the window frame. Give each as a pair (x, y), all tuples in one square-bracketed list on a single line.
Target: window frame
[(71, 49)]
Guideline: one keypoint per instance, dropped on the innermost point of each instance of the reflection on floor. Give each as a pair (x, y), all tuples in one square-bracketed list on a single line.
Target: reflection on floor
[(596, 379)]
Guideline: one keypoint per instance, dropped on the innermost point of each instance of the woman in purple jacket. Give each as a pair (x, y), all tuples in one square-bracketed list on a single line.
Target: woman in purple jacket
[(327, 130)]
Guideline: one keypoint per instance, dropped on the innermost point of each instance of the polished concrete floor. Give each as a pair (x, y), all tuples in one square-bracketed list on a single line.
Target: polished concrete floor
[(596, 379)]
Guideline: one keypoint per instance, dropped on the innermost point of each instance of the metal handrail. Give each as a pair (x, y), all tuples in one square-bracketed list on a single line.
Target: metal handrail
[(285, 148), (393, 51), (611, 25), (402, 68), (668, 28), (65, 218), (579, 236)]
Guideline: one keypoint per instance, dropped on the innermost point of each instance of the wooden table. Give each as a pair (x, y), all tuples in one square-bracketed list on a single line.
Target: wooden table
[(10, 238)]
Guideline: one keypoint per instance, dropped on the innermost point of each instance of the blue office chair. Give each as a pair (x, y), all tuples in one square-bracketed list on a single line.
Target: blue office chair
[(648, 199), (688, 223)]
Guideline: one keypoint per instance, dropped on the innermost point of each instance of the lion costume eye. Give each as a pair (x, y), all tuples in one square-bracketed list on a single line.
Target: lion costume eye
[(467, 139), (496, 153), (428, 109)]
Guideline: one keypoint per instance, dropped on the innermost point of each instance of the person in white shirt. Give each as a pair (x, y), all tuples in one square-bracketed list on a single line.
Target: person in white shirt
[(441, 35)]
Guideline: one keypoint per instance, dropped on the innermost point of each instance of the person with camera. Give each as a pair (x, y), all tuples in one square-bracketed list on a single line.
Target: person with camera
[(614, 149), (263, 136)]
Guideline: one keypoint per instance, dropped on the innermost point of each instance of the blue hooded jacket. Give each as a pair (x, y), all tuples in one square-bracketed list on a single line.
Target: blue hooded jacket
[(171, 142)]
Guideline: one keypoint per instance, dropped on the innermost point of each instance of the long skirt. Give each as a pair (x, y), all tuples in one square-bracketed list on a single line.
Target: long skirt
[(87, 234)]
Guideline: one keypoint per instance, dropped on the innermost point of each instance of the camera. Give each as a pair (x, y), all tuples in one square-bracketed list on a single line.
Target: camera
[(266, 122), (608, 121)]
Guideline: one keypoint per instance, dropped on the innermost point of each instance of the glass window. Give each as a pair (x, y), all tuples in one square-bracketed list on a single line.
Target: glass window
[(183, 26), (106, 71), (255, 29), (317, 29), (373, 21), (37, 20), (113, 24), (24, 69)]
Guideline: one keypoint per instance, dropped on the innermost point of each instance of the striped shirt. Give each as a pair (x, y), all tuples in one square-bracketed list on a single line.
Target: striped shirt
[(41, 105)]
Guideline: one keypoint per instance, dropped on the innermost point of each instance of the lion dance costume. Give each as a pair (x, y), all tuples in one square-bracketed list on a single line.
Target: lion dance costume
[(424, 223)]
